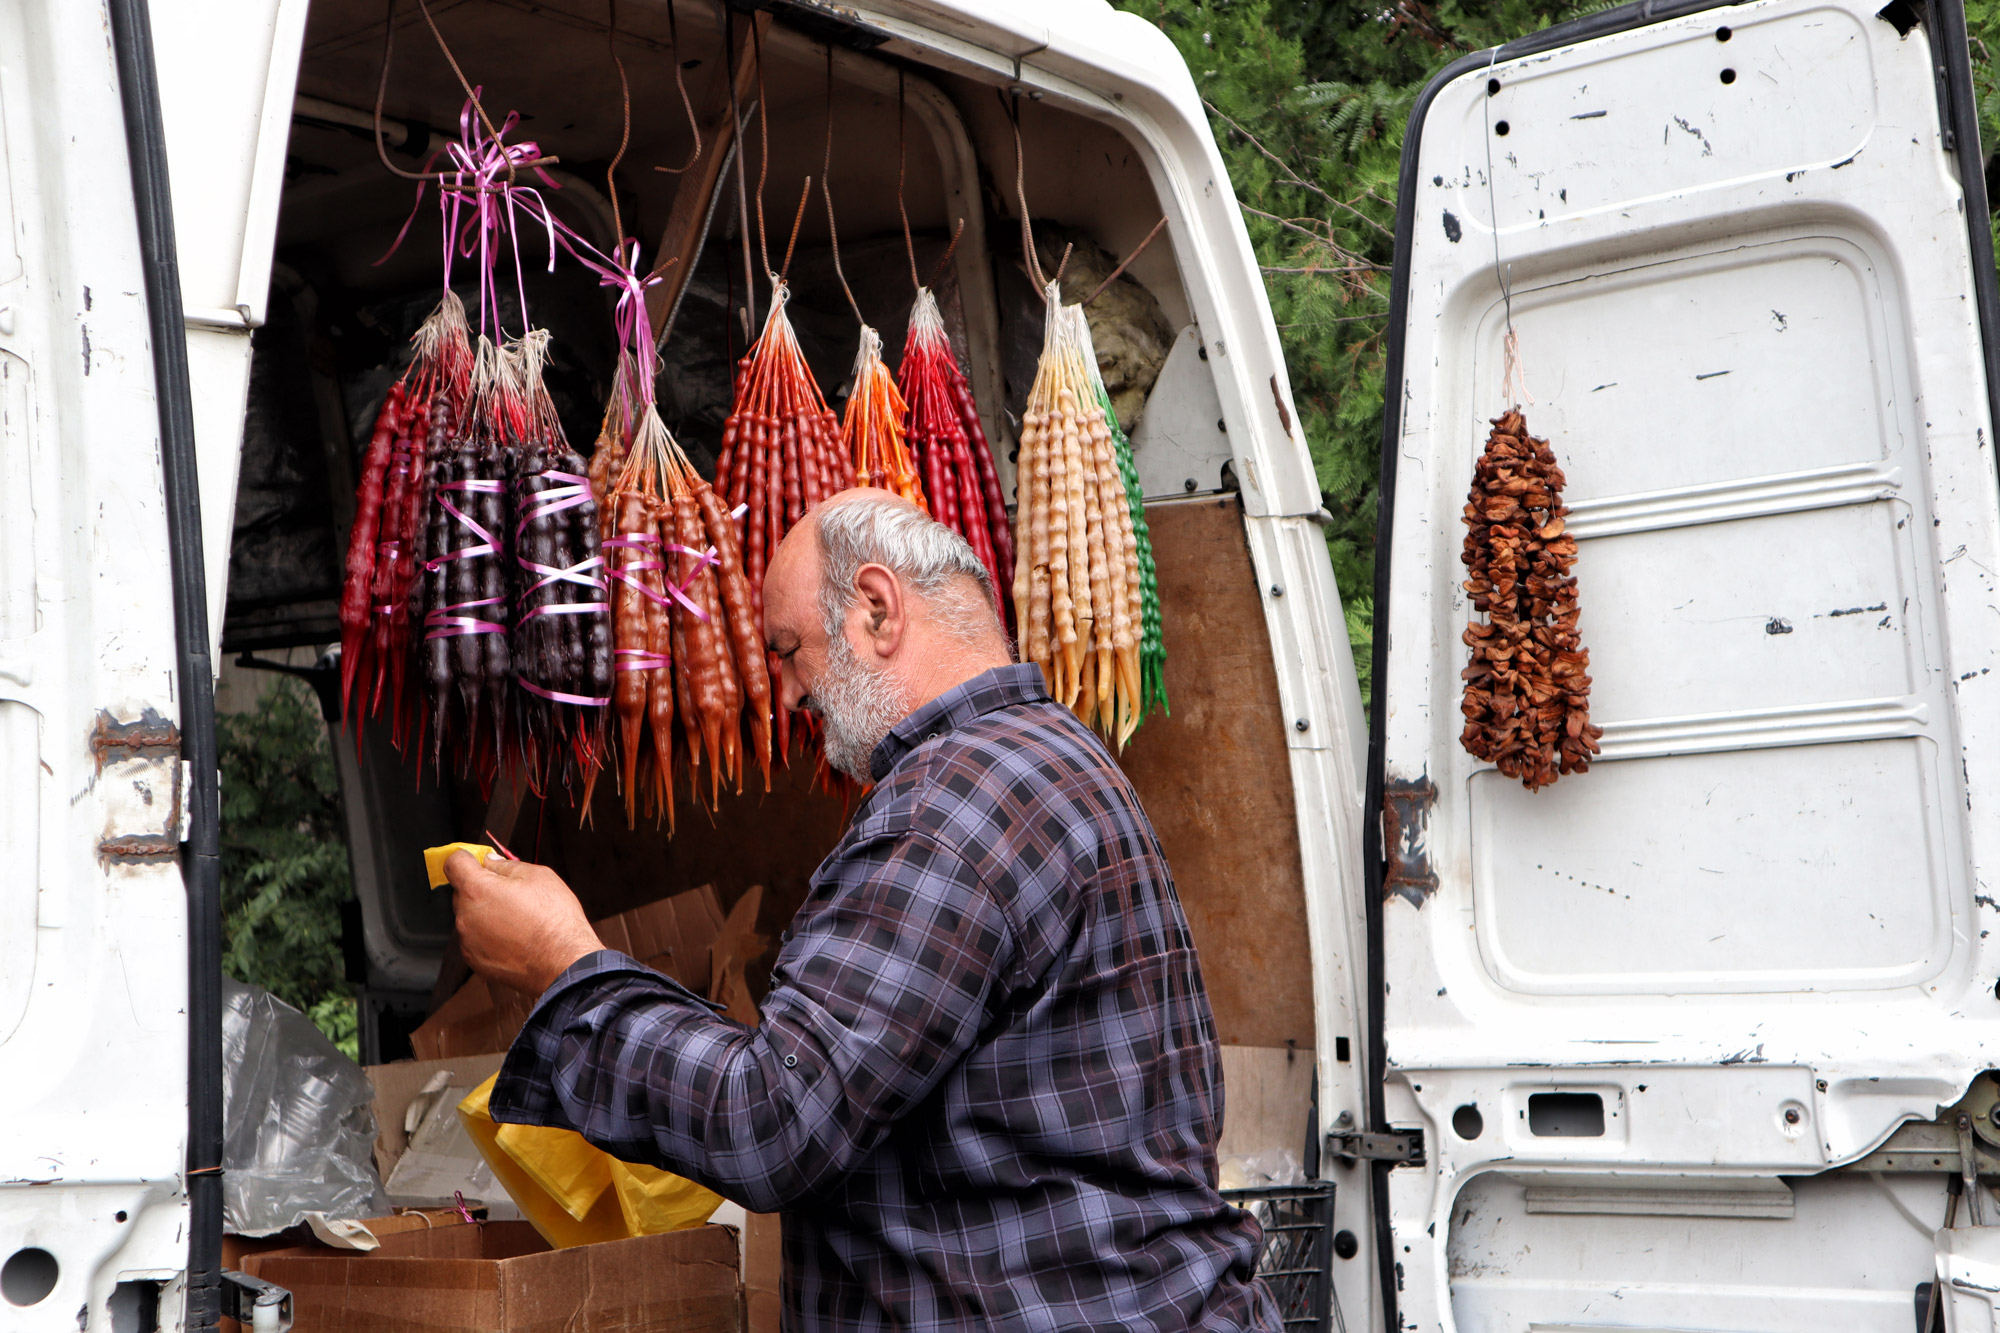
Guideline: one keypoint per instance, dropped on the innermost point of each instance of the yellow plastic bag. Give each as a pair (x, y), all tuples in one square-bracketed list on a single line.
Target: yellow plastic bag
[(576, 1194)]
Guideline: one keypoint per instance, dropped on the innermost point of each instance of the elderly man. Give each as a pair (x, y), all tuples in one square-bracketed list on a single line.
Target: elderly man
[(986, 1090)]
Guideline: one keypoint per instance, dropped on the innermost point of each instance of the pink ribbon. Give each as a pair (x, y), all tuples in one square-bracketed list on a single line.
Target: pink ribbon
[(442, 624), (642, 659), (490, 544), (557, 696), (677, 591), (541, 504)]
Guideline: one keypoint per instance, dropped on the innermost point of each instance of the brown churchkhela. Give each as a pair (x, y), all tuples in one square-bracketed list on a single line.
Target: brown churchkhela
[(1527, 689), (685, 629)]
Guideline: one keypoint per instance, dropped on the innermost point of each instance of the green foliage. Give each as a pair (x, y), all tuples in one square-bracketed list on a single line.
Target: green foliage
[(1982, 32), (1312, 151), (284, 858), (1357, 114)]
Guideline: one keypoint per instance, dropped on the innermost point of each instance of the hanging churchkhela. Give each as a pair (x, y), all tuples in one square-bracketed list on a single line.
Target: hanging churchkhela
[(1152, 636), (781, 455), (957, 466), (686, 628), (1527, 689), (872, 429), (1077, 577), (561, 640), (385, 547), (468, 670)]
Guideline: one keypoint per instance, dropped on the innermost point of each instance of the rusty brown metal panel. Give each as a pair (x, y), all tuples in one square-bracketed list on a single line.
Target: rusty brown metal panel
[(1406, 817), (139, 780)]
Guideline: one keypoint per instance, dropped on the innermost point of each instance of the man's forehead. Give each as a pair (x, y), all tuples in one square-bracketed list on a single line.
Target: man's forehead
[(789, 582)]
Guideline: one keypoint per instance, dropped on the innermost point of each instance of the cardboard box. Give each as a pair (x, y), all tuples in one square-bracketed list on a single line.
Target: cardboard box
[(396, 1085), (687, 937), (763, 1259), (501, 1277)]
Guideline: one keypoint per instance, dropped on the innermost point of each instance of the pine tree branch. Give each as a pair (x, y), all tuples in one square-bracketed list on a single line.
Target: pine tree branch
[(1292, 177), (1349, 260)]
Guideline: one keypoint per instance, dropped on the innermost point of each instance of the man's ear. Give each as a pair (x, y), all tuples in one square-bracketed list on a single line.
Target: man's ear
[(879, 599)]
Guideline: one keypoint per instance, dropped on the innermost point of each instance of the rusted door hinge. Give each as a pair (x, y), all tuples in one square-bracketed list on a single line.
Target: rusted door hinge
[(1399, 1145)]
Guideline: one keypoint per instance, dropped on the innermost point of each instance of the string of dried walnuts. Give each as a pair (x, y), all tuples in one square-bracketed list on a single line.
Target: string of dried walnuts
[(1527, 691)]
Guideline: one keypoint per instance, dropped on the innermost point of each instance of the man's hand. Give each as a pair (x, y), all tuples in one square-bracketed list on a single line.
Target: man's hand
[(518, 924)]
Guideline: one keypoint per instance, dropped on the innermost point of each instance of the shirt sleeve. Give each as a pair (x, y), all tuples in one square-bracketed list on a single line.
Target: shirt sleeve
[(881, 989)]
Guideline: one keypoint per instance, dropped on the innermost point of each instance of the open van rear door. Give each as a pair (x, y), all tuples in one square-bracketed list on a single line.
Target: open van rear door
[(1646, 1020)]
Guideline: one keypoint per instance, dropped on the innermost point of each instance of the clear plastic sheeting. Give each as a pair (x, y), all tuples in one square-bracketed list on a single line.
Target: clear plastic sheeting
[(299, 1131)]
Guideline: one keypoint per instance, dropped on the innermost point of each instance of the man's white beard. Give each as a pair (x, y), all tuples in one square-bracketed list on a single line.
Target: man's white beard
[(857, 704)]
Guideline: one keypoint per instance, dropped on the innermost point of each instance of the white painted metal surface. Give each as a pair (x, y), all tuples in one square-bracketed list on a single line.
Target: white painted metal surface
[(1755, 932), (92, 958), (92, 913)]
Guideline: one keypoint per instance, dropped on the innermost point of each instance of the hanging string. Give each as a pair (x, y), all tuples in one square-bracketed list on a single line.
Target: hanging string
[(826, 188), (680, 82), (763, 148), (382, 92), (736, 118), (1512, 376), (1031, 260), (1126, 262), (805, 197), (909, 245), (625, 131), (951, 248)]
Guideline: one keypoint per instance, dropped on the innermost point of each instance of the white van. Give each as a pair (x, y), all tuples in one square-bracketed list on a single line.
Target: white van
[(1691, 1041)]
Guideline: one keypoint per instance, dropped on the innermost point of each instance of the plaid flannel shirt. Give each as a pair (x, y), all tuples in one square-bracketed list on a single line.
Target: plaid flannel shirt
[(986, 1091)]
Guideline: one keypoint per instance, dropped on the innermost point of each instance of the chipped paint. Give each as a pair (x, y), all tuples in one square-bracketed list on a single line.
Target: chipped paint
[(1284, 413)]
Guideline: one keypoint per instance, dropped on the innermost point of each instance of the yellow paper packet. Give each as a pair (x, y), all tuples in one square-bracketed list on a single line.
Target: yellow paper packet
[(435, 857)]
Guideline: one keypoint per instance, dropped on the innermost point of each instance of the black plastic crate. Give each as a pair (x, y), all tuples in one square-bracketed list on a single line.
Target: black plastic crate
[(1296, 1262)]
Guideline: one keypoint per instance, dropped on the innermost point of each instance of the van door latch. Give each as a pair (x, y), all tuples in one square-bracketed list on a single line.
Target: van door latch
[(1398, 1145)]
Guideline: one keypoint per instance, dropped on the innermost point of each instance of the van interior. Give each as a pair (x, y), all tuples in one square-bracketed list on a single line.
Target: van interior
[(720, 185)]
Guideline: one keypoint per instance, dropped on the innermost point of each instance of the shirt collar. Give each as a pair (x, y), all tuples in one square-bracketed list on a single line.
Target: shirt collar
[(1002, 687)]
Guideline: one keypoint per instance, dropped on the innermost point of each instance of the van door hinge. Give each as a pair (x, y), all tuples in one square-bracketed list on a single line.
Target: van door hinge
[(255, 1303), (1398, 1145)]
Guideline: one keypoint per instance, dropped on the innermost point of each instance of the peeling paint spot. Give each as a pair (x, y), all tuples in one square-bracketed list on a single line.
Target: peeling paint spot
[(86, 349), (1589, 115), (1777, 625), (1284, 416), (1711, 375), (1707, 149), (1783, 323), (86, 299), (1452, 231), (1838, 165), (1858, 610)]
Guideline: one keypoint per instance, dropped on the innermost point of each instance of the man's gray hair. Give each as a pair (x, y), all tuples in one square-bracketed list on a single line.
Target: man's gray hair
[(925, 554)]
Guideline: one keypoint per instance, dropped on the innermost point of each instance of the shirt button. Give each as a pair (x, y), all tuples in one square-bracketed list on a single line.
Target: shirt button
[(791, 1062)]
